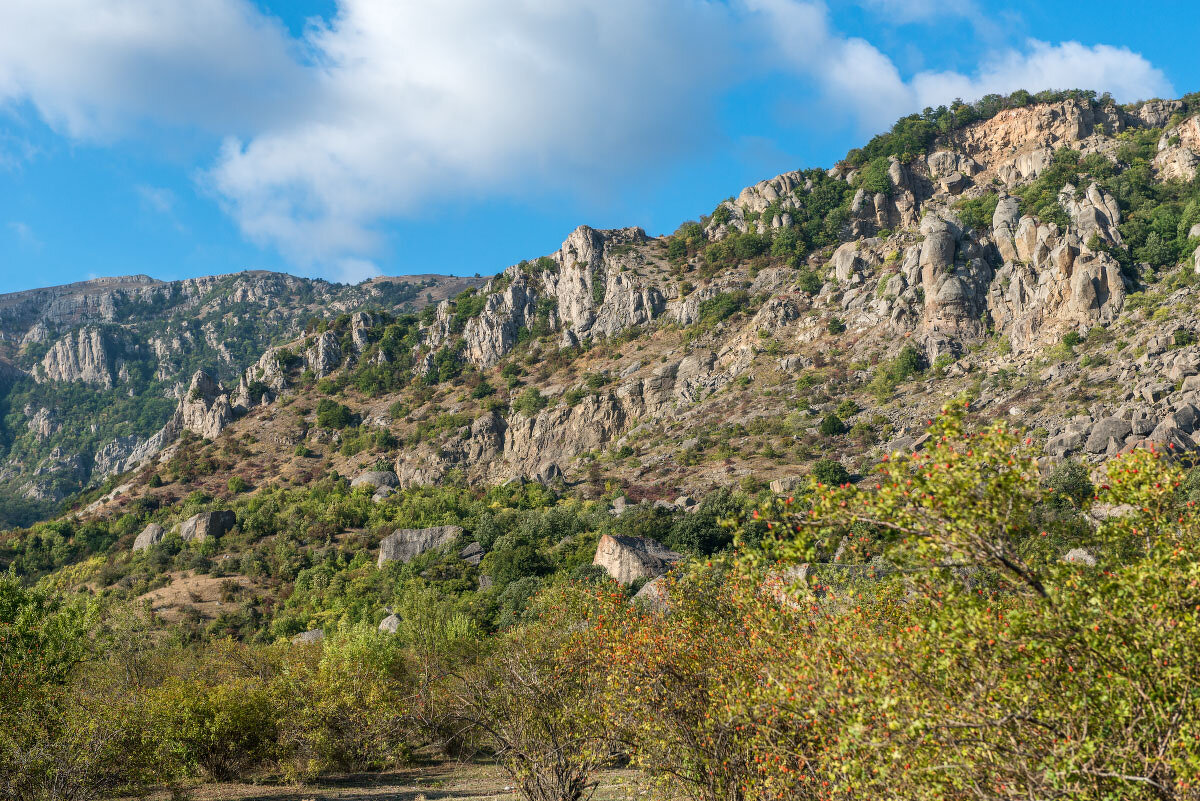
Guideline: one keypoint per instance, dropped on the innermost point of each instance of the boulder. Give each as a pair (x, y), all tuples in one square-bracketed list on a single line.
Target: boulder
[(309, 637), (151, 535), (207, 524), (390, 624), (472, 554), (1110, 428), (376, 479), (382, 494), (628, 559), (653, 596), (406, 544), (1080, 556)]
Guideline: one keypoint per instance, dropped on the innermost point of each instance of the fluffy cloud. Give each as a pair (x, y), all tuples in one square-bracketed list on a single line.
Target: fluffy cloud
[(464, 98), (95, 70)]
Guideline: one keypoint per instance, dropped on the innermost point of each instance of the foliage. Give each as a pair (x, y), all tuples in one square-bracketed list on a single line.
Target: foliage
[(977, 212)]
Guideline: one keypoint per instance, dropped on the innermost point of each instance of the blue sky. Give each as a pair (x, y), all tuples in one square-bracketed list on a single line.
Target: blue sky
[(349, 138)]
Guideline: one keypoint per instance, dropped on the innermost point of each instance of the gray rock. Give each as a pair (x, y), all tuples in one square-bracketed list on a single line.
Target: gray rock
[(485, 582), (1080, 556), (653, 596), (376, 479), (309, 637), (207, 524), (628, 559), (472, 554), (151, 535), (406, 544), (1110, 428), (390, 624), (382, 494)]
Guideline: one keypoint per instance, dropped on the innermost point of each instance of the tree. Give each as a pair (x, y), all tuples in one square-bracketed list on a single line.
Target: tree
[(535, 699)]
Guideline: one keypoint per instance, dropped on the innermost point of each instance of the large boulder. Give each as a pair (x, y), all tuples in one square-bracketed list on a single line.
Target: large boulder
[(151, 535), (628, 559), (1106, 430), (406, 544), (207, 524), (376, 479), (390, 624)]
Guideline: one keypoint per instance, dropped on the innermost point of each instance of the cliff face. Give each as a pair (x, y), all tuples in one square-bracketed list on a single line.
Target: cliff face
[(983, 266)]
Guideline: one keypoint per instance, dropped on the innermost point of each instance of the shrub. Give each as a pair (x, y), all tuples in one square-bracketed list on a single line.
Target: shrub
[(830, 472), (831, 425), (331, 414), (530, 402), (835, 326)]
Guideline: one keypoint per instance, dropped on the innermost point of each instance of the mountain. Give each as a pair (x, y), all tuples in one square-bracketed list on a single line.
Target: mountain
[(1032, 255), (89, 371)]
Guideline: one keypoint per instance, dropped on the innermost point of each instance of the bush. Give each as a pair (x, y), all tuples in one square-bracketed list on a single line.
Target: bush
[(831, 425), (835, 326), (530, 402), (830, 472), (331, 414)]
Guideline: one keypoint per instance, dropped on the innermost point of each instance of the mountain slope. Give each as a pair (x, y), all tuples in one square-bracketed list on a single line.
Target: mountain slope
[(1035, 258), (89, 370)]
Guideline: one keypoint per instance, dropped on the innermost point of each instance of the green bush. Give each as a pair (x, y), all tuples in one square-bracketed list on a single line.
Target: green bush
[(830, 472), (831, 425)]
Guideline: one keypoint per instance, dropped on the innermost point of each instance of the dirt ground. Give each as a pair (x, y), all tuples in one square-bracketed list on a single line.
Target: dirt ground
[(445, 782)]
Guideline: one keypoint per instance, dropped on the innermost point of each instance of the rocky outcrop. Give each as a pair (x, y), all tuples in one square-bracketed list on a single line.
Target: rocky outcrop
[(324, 355), (205, 409), (200, 527), (654, 596), (151, 535), (390, 624), (82, 356), (594, 295), (406, 544), (376, 479), (1179, 151), (627, 559)]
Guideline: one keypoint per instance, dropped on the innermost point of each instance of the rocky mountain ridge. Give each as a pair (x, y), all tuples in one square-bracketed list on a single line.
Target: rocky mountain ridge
[(1008, 262), (131, 345)]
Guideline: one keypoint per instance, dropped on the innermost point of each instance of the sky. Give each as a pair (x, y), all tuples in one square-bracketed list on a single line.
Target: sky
[(345, 139)]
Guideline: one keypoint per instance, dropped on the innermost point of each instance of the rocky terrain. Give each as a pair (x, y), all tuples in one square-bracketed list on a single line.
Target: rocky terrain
[(1037, 261), (91, 370)]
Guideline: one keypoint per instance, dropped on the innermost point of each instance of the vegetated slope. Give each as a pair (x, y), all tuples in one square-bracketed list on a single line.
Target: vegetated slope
[(1034, 257), (88, 371)]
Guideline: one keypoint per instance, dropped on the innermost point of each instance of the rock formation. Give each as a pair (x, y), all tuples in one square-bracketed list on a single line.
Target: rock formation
[(406, 544), (628, 559)]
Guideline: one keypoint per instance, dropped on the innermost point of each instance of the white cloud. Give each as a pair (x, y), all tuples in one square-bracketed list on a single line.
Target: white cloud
[(97, 68), (354, 271), (1041, 65), (465, 98)]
